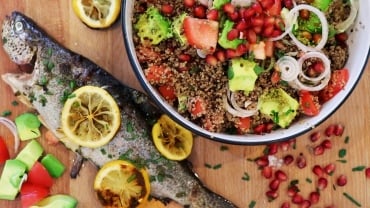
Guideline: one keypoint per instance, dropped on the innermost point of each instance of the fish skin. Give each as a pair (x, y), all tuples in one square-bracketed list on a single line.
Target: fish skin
[(57, 72)]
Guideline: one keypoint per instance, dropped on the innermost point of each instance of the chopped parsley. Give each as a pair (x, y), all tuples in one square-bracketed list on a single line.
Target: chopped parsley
[(6, 113), (359, 168), (342, 153), (15, 103), (246, 177), (224, 148), (252, 204)]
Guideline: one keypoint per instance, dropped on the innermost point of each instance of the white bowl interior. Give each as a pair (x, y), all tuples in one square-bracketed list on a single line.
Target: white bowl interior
[(359, 46)]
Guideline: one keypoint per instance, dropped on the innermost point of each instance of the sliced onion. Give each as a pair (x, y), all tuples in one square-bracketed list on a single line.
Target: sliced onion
[(289, 23), (12, 127), (242, 3), (288, 67), (234, 109), (343, 26), (207, 3), (201, 53), (324, 25), (319, 86)]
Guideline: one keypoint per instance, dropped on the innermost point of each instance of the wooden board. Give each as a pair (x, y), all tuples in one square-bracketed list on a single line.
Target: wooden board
[(106, 48)]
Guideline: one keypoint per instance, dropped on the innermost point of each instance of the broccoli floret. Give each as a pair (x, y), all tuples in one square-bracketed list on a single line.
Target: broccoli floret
[(177, 28), (323, 5), (217, 4), (152, 26), (223, 41)]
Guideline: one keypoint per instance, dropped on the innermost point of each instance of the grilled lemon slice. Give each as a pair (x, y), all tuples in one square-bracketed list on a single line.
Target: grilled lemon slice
[(172, 140), (91, 117), (97, 13), (121, 184)]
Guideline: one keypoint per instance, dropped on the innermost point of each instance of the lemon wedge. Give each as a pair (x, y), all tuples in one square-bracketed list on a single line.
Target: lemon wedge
[(97, 13), (172, 140), (91, 117), (121, 184)]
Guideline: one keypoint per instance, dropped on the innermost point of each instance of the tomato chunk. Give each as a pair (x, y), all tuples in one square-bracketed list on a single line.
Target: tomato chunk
[(38, 175), (158, 74), (4, 152), (201, 33), (197, 107), (309, 103), (243, 124), (167, 91), (31, 194), (338, 80)]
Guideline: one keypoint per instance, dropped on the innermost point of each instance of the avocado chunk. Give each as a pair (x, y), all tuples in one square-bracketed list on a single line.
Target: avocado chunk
[(55, 201), (279, 106), (11, 179), (53, 165), (28, 126), (242, 75), (224, 41), (177, 28), (30, 154)]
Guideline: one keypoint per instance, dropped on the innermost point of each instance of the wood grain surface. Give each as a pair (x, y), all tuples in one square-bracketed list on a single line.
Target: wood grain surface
[(106, 48)]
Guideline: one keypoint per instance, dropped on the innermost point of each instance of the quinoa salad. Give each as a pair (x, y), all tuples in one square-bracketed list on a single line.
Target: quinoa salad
[(244, 66)]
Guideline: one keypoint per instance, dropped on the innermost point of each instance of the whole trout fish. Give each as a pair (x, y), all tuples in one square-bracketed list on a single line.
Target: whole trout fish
[(58, 71)]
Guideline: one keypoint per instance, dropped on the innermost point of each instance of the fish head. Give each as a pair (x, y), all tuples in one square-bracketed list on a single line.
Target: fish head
[(19, 38)]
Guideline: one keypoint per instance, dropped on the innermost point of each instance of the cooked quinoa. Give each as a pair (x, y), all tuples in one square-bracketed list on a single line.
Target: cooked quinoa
[(195, 78)]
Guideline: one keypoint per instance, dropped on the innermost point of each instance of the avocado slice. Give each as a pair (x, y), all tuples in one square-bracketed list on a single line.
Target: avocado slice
[(58, 200), (30, 154), (178, 31), (279, 106), (11, 179), (28, 126), (241, 75)]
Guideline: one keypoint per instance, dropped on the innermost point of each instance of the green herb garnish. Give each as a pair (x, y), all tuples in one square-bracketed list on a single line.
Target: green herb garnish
[(6, 113), (349, 197), (246, 177), (342, 153), (358, 168)]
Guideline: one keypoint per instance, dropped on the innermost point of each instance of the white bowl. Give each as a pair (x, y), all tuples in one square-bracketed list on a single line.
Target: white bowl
[(359, 48)]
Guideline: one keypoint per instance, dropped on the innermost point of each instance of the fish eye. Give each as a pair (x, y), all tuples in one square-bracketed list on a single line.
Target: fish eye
[(18, 26)]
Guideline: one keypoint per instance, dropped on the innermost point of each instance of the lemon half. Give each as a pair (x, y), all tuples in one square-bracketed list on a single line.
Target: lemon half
[(97, 13), (91, 117), (121, 184), (172, 140)]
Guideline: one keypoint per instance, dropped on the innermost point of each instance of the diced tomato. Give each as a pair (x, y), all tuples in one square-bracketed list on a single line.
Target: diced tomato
[(38, 175), (243, 124), (260, 129), (31, 194), (4, 152), (259, 50), (167, 91), (201, 33), (269, 48), (275, 77), (157, 74), (275, 9), (197, 107), (338, 80), (309, 103)]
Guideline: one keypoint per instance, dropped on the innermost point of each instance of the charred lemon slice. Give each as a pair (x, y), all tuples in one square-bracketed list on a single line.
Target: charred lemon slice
[(121, 184), (97, 13), (172, 140), (91, 117)]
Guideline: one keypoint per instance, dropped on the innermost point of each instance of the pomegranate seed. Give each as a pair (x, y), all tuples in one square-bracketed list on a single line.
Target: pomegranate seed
[(184, 57), (329, 131), (189, 3), (272, 194), (301, 161), (257, 21), (231, 53), (297, 199), (220, 55), (167, 9), (233, 16), (251, 36), (292, 142), (211, 60), (272, 149), (280, 175), (288, 159), (200, 11), (241, 25), (276, 33), (266, 3), (342, 180), (257, 29), (305, 204), (326, 144), (318, 150), (269, 21), (341, 37), (314, 197), (240, 50), (274, 184), (228, 8), (269, 127), (329, 169), (317, 170), (284, 145), (288, 4), (267, 172), (257, 8), (248, 13), (267, 31), (315, 136), (262, 161), (322, 183), (212, 14), (285, 205), (292, 191), (338, 130), (367, 173), (232, 34)]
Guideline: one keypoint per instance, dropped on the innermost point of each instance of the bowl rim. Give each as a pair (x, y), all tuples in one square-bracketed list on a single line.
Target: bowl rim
[(223, 138)]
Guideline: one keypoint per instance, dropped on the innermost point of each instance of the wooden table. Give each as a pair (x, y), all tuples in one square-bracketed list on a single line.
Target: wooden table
[(106, 48)]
